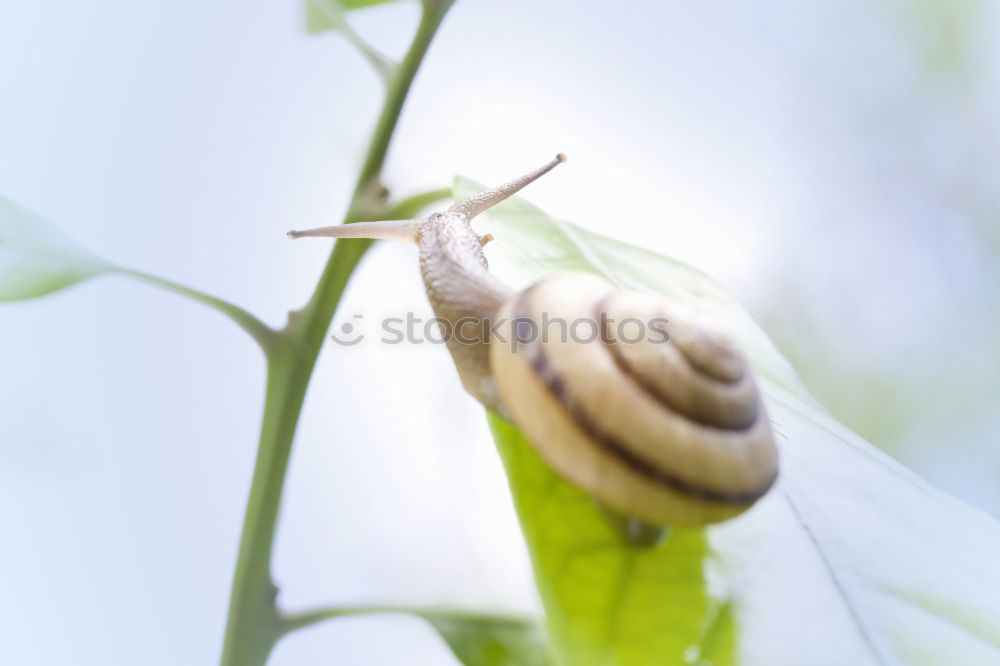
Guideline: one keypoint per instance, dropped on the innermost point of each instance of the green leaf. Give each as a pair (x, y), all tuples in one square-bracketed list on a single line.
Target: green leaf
[(484, 641), (850, 559), (36, 258), (359, 4), (606, 603), (323, 15)]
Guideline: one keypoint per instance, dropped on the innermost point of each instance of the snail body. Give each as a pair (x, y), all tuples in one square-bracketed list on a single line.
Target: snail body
[(463, 292), (669, 429)]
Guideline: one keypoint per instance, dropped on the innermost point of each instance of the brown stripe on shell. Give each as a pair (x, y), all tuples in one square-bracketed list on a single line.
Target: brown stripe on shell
[(554, 383)]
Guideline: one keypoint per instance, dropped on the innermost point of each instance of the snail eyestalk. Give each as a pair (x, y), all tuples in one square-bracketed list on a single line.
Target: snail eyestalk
[(477, 203), (404, 230)]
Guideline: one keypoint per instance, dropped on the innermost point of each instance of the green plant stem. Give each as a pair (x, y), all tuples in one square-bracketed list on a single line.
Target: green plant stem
[(254, 623), (336, 18), (258, 330), (383, 64), (411, 206), (399, 88)]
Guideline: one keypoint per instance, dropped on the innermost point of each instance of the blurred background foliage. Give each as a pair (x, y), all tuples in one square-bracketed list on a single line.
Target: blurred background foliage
[(896, 330)]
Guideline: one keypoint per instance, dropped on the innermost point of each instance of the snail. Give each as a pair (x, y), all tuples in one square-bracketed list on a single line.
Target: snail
[(669, 430)]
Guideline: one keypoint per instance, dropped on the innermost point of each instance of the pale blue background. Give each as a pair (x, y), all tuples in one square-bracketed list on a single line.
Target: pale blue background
[(833, 162)]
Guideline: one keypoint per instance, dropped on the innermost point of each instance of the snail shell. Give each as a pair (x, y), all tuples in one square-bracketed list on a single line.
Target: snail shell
[(672, 431)]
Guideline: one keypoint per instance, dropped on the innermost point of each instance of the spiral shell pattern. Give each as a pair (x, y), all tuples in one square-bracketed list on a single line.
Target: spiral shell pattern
[(655, 418)]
